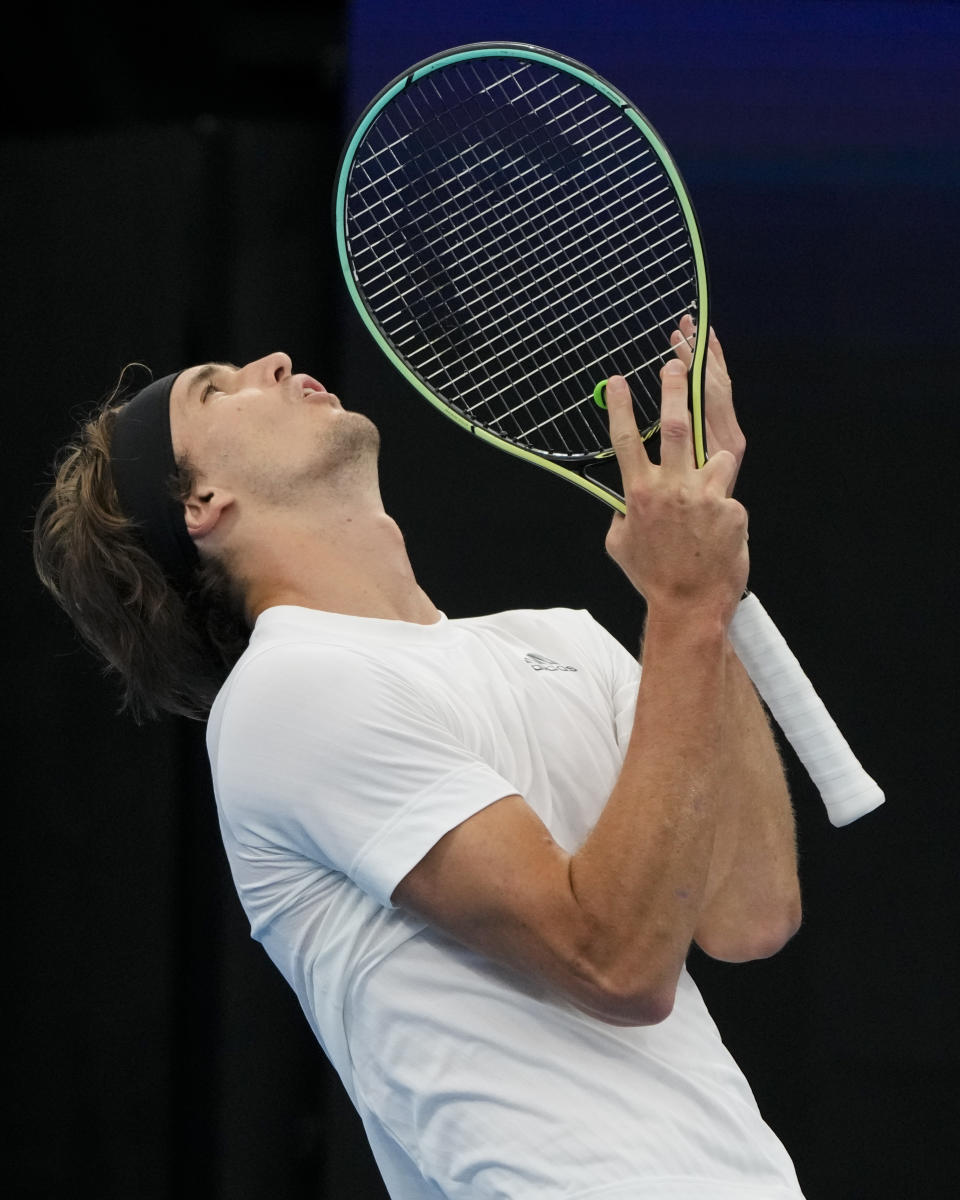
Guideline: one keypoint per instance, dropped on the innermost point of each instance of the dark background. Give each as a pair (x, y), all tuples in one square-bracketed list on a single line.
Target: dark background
[(165, 197)]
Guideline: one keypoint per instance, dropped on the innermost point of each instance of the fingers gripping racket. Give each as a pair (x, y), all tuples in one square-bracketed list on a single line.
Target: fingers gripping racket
[(513, 231)]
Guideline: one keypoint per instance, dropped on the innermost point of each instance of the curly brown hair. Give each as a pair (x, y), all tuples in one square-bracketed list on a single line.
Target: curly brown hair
[(172, 650)]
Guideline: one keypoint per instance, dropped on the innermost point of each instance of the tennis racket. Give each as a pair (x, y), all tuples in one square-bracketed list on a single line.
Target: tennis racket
[(513, 231)]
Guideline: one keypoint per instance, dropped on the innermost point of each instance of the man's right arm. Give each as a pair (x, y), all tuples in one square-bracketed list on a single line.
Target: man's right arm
[(610, 925)]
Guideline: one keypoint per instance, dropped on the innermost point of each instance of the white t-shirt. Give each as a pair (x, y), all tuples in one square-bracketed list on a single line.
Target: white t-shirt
[(343, 748)]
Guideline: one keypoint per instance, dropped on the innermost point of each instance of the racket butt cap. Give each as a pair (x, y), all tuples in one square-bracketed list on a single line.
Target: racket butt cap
[(851, 808)]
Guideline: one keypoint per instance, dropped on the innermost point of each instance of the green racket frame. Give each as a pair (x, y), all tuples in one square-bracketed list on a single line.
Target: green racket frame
[(560, 62)]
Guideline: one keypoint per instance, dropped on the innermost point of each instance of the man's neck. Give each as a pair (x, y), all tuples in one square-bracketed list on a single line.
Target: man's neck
[(356, 563)]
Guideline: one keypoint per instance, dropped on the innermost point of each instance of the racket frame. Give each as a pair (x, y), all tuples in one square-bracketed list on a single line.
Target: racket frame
[(847, 790), (580, 71)]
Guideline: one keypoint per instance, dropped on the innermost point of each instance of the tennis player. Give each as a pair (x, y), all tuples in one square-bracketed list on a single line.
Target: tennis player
[(478, 850)]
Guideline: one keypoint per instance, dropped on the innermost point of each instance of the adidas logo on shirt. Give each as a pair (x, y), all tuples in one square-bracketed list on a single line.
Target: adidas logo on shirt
[(539, 663)]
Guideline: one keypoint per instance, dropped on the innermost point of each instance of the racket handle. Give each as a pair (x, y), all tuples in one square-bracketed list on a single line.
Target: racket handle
[(847, 790)]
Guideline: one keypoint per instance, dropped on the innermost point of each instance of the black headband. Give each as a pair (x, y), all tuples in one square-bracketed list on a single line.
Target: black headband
[(144, 466)]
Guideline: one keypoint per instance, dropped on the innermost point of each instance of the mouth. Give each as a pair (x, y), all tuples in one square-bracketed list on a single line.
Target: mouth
[(311, 390), (311, 386)]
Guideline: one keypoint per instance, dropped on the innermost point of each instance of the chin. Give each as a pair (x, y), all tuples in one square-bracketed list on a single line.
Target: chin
[(351, 441), (363, 432)]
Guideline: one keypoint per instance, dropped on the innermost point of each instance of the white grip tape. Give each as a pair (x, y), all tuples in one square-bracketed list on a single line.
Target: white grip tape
[(847, 790)]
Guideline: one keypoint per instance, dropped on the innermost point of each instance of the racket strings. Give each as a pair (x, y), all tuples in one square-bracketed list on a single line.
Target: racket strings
[(589, 287), (555, 402), (464, 239), (500, 347), (508, 323), (429, 132), (467, 235), (487, 376), (428, 229), (506, 233), (488, 216), (519, 237)]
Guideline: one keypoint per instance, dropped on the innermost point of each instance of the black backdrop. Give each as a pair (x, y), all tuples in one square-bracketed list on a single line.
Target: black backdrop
[(165, 197)]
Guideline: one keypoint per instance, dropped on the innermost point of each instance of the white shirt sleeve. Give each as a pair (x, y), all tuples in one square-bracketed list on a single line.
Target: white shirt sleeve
[(329, 755)]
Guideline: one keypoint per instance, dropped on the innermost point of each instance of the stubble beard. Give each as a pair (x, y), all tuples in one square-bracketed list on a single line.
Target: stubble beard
[(354, 443), (345, 461)]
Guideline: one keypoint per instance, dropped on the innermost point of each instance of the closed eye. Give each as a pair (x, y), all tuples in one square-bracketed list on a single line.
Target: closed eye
[(205, 381)]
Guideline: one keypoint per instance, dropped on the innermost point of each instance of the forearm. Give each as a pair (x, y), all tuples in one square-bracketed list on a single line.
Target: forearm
[(641, 877), (752, 902)]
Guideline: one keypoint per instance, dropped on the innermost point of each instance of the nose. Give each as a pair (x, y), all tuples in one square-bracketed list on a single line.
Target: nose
[(269, 369)]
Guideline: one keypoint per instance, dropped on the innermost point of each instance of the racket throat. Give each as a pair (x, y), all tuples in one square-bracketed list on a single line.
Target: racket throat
[(605, 474)]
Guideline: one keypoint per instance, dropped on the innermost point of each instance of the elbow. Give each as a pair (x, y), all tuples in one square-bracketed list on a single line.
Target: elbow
[(754, 940), (643, 1008), (627, 999), (780, 931), (765, 943), (623, 979)]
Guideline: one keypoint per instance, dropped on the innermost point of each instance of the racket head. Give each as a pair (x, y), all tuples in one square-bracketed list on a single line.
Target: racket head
[(512, 231)]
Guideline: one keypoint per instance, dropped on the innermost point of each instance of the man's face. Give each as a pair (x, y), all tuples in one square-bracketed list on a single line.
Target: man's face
[(263, 432)]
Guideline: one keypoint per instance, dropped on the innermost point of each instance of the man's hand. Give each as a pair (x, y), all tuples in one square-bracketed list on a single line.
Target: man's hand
[(723, 430), (683, 540)]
